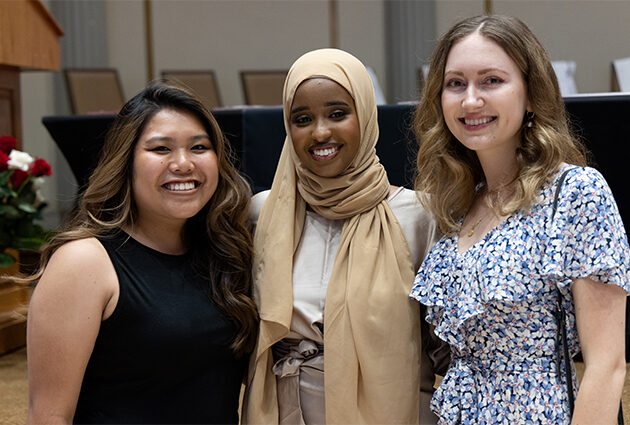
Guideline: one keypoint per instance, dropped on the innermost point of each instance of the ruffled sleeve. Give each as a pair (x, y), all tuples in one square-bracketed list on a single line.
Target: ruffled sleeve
[(433, 281), (586, 236)]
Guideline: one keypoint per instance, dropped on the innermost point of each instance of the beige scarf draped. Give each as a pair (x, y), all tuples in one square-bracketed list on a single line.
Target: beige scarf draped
[(371, 327)]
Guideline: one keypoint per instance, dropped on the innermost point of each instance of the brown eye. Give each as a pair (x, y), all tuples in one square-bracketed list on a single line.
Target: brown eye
[(337, 114), (201, 147), (493, 80), (300, 120)]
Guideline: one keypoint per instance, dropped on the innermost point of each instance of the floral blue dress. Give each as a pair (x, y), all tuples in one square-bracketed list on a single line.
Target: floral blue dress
[(494, 304)]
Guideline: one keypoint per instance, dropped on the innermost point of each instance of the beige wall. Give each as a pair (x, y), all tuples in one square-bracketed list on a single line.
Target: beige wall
[(229, 36), (591, 33), (126, 43), (36, 102)]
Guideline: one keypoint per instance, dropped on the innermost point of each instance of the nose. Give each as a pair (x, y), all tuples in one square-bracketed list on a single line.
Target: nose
[(472, 98), (321, 132), (181, 162)]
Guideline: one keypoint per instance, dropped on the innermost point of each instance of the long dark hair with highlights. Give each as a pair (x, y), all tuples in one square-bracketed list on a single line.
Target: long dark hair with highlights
[(447, 171), (218, 236)]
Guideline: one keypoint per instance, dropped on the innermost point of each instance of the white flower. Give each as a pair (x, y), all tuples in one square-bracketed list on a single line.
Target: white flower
[(19, 160), (38, 182)]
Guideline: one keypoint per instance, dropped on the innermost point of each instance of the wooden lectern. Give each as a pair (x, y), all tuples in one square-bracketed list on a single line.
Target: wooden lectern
[(29, 40)]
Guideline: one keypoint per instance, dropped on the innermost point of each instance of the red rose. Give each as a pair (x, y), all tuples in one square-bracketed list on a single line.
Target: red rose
[(7, 144), (18, 177), (40, 168), (4, 159)]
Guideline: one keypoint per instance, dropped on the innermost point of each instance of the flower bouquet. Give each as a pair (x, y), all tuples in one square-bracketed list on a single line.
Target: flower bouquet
[(20, 204)]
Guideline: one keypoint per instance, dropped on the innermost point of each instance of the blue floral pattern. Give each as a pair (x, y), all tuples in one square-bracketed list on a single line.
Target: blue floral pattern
[(494, 304)]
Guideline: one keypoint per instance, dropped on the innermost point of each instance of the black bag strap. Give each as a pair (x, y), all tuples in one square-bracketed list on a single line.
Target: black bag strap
[(560, 314), (561, 332), (554, 206)]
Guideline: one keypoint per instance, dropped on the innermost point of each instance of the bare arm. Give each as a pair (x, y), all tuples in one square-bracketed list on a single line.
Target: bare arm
[(600, 311), (78, 289)]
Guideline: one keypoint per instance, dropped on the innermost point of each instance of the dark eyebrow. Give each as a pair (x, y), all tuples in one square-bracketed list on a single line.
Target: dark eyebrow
[(158, 139), (166, 139), (480, 72), (298, 109), (331, 103), (336, 103)]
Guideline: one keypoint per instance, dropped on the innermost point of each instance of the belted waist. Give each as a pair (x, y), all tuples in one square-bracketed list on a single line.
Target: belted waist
[(290, 354)]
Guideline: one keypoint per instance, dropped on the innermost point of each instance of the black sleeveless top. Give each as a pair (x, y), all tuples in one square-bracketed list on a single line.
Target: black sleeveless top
[(163, 355)]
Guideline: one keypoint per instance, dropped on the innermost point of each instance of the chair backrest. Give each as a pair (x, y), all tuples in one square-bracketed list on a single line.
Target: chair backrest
[(378, 91), (620, 80), (565, 72), (421, 77), (202, 83), (94, 90), (263, 87)]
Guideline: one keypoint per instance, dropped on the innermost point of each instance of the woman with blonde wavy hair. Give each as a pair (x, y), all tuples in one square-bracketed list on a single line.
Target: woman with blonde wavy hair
[(336, 248), (142, 309), (530, 233)]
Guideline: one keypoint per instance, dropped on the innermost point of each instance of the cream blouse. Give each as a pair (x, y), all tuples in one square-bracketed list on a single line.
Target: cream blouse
[(315, 256)]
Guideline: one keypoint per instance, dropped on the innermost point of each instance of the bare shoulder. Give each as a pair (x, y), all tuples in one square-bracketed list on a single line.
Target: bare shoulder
[(81, 268), (83, 256)]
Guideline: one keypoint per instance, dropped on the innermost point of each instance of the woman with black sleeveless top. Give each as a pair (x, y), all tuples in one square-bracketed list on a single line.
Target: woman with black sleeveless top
[(142, 311)]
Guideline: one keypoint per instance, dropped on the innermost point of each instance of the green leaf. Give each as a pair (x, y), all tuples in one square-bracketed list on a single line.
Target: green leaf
[(27, 244), (4, 177), (29, 208), (6, 260), (9, 212)]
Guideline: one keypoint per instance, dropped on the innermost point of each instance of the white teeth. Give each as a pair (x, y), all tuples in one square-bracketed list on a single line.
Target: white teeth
[(477, 122), (325, 152), (180, 186)]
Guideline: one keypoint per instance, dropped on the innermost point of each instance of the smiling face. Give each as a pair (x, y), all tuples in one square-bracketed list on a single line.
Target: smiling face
[(175, 171), (324, 127), (484, 97)]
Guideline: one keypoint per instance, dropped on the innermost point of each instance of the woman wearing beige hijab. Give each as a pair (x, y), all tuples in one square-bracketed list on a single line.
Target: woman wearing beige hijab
[(336, 249)]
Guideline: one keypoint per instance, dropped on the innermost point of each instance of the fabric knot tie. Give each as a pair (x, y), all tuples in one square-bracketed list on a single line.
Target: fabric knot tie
[(289, 364)]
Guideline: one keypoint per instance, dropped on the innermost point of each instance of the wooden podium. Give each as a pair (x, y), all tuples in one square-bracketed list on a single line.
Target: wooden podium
[(29, 40)]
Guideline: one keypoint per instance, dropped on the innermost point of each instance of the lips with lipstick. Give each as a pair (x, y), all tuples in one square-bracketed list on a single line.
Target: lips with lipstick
[(181, 186), (325, 152)]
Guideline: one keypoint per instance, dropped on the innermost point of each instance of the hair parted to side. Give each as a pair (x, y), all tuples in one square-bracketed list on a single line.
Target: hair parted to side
[(448, 172), (218, 237)]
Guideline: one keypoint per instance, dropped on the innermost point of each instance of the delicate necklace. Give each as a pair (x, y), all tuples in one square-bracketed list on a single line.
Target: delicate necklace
[(471, 232)]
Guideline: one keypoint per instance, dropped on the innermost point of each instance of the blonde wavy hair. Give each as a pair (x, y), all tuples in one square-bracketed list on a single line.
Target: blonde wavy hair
[(218, 237), (449, 173)]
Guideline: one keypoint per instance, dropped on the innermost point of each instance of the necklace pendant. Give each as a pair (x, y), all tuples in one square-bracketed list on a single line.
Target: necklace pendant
[(471, 232)]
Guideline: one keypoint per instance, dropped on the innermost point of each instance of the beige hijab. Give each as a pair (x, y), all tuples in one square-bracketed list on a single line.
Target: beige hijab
[(371, 327)]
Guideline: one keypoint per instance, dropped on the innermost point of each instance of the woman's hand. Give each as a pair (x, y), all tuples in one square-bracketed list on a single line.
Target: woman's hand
[(600, 311), (78, 290)]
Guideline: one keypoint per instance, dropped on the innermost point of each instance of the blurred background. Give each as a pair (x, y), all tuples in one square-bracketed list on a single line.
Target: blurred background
[(142, 38)]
